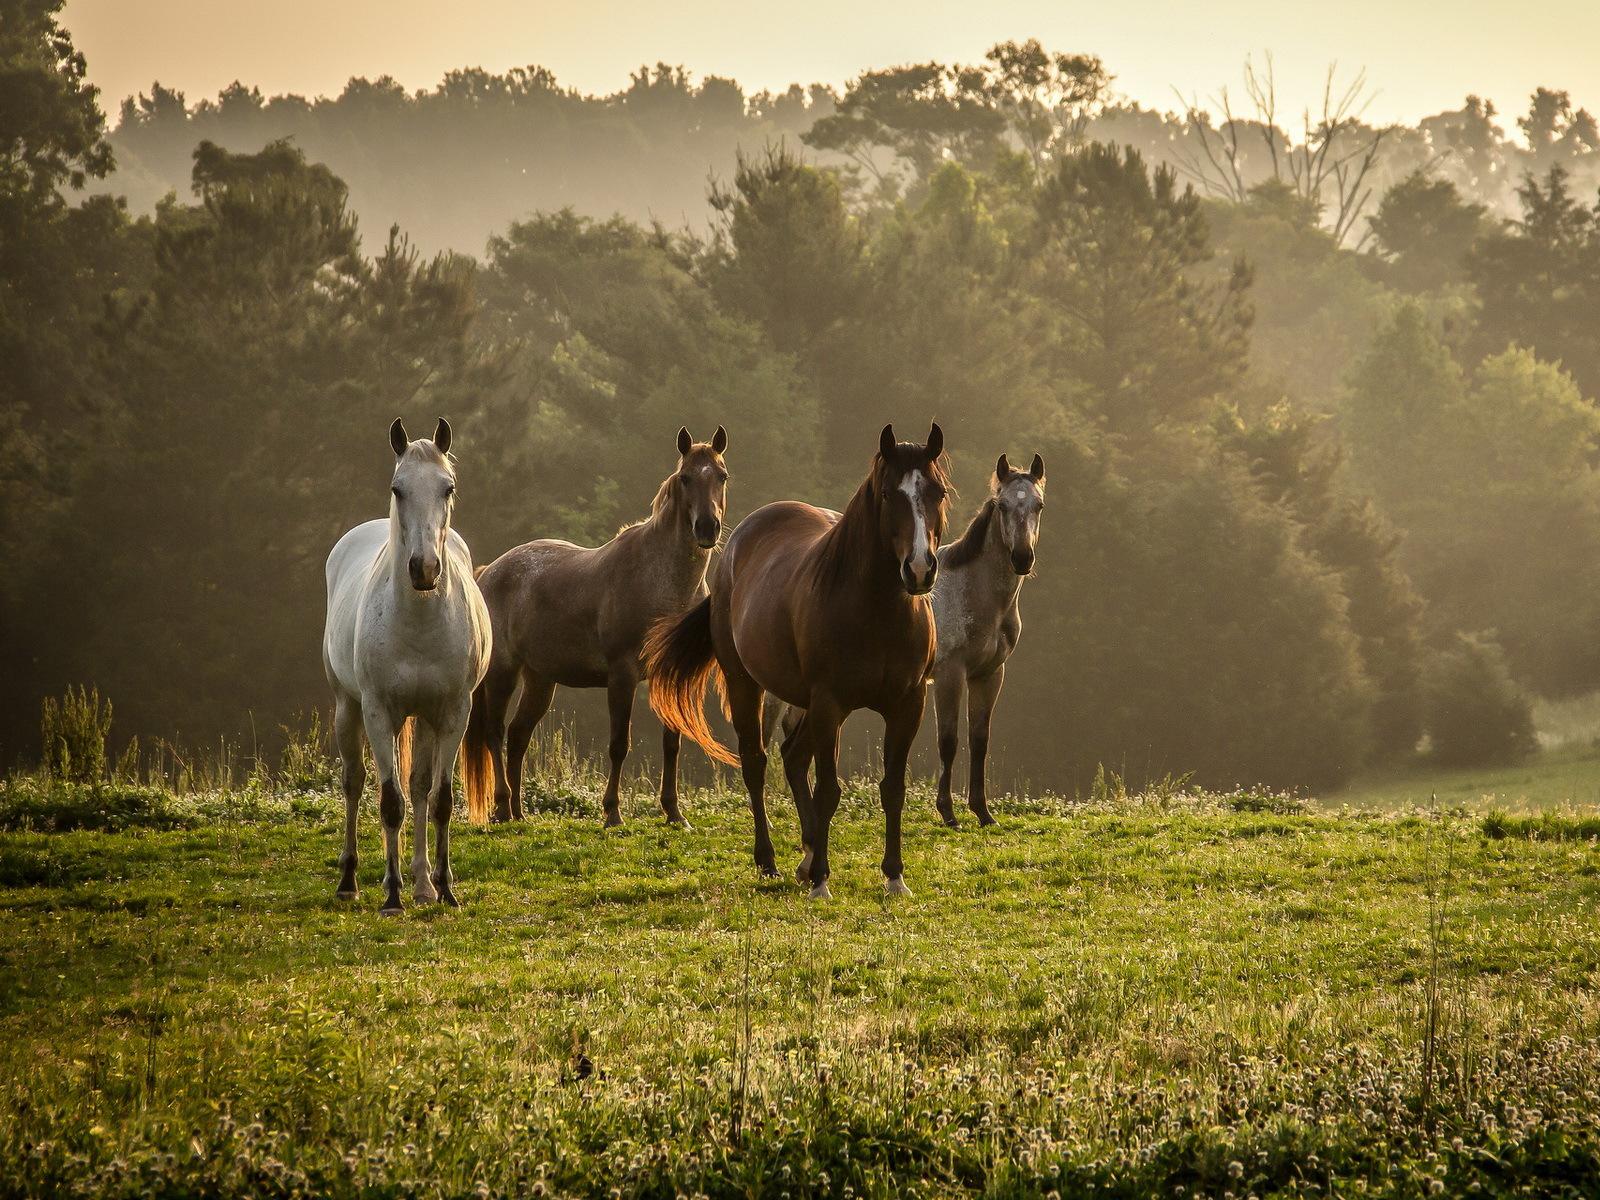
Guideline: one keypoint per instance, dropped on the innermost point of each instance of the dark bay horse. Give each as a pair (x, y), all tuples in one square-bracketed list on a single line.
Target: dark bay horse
[(829, 613), (976, 608), (572, 616)]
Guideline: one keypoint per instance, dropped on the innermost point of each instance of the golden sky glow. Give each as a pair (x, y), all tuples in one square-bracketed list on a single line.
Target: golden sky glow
[(1420, 57)]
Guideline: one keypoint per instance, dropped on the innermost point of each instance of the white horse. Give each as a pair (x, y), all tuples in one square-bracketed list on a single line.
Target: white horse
[(407, 641)]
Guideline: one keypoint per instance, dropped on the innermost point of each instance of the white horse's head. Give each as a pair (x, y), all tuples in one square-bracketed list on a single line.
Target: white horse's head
[(423, 492)]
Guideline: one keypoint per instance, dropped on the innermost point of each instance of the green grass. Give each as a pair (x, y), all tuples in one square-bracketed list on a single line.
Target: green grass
[(1567, 777), (1228, 995)]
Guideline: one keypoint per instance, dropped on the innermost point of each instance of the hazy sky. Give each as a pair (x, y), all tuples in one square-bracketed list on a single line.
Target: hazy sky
[(1419, 59)]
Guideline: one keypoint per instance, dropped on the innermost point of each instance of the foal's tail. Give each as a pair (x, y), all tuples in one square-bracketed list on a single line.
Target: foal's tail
[(477, 763), (680, 658)]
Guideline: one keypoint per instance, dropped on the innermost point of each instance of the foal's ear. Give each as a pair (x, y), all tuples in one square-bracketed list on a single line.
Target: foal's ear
[(397, 437), (935, 440), (719, 440), (441, 436), (684, 440), (1002, 469), (886, 443), (1037, 470)]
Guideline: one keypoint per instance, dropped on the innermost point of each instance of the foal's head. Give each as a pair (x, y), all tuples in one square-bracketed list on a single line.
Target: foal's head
[(424, 490), (699, 491), (1019, 499), (910, 480)]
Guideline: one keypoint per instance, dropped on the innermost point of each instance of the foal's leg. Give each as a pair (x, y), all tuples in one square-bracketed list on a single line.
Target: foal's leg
[(424, 749), (536, 697), (744, 706), (443, 805), (797, 770), (347, 734), (620, 687), (985, 693), (671, 743), (381, 730), (899, 731), (822, 723), (949, 690)]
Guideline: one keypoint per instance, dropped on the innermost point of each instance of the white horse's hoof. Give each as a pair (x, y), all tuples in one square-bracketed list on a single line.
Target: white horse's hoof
[(802, 873), (821, 892), (425, 895), (896, 886)]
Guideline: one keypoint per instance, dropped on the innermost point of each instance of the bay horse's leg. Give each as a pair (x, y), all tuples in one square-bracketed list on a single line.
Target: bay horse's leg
[(449, 746), (949, 690), (381, 731), (822, 723), (744, 706), (498, 686), (980, 708), (899, 731), (624, 682), (797, 770), (424, 749), (671, 743), (347, 734), (536, 697)]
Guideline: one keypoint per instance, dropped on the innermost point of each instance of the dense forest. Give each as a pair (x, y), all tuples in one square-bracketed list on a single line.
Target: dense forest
[(1317, 398)]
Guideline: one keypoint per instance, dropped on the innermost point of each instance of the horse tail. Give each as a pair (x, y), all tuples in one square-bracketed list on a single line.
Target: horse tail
[(477, 763), (402, 753), (680, 658)]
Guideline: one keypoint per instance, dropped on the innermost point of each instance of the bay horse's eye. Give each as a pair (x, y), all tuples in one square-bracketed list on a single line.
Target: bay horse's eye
[(684, 479)]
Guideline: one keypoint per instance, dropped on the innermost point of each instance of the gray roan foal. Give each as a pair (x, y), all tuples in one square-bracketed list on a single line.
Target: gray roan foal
[(575, 616), (975, 607)]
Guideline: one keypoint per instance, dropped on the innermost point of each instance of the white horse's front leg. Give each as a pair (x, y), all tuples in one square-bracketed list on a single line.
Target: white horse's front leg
[(381, 733), (424, 751)]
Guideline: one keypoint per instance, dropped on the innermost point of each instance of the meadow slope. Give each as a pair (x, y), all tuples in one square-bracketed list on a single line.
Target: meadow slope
[(1129, 996)]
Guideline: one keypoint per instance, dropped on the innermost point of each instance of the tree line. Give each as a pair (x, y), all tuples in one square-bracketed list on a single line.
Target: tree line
[(1315, 492)]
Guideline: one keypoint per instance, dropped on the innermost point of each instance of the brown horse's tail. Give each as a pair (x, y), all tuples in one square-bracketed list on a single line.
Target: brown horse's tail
[(680, 658), (477, 763), (402, 753)]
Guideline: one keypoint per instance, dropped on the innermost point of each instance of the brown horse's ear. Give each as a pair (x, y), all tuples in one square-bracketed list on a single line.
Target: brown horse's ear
[(1037, 470), (441, 436), (397, 437), (684, 440), (719, 440), (935, 440), (1002, 469), (886, 443)]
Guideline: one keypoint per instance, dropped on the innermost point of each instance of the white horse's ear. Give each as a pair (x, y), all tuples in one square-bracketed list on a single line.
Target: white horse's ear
[(684, 440), (1002, 469), (397, 437), (886, 442), (441, 436), (935, 440), (1037, 470), (719, 440)]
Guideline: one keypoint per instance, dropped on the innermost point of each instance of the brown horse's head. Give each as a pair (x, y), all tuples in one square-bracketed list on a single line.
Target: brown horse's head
[(699, 491), (912, 488), (1019, 499)]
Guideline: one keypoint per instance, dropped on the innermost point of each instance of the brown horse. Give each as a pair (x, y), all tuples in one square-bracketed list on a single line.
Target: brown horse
[(829, 613), (571, 616)]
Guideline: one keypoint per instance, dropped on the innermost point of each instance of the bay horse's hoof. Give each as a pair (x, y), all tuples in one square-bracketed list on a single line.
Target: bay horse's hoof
[(680, 822), (768, 871), (984, 819), (448, 898), (612, 821), (950, 820), (345, 894), (821, 892), (392, 908), (896, 886)]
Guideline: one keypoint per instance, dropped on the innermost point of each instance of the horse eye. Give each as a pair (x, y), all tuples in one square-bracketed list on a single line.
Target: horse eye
[(450, 490), (396, 492), (684, 479)]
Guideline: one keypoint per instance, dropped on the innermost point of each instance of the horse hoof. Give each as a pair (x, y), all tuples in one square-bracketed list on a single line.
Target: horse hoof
[(425, 895), (448, 898), (391, 908), (345, 894), (768, 871), (896, 886), (612, 821), (802, 872), (985, 820), (950, 820), (680, 823), (821, 892)]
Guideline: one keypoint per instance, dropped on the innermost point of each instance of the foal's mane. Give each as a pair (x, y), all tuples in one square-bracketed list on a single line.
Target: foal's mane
[(970, 544)]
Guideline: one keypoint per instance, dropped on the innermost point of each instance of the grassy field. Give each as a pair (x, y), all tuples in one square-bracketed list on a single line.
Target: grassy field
[(1160, 995)]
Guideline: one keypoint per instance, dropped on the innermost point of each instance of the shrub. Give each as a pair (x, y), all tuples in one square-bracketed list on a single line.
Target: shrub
[(1477, 715), (73, 732)]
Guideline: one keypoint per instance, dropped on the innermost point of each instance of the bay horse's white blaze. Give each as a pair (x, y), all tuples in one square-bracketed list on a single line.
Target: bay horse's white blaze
[(920, 563), (407, 640)]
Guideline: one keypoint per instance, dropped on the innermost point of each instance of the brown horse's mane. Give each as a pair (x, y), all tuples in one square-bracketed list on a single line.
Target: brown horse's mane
[(970, 544), (853, 538)]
